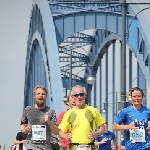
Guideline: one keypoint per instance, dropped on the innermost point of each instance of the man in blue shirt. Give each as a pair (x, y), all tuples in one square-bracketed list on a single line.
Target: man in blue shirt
[(134, 121), (104, 141)]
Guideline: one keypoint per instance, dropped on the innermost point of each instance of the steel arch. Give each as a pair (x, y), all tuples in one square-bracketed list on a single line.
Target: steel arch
[(49, 24), (135, 33), (42, 29)]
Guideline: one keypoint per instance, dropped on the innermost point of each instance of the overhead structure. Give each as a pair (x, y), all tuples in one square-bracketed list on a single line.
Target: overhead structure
[(91, 33)]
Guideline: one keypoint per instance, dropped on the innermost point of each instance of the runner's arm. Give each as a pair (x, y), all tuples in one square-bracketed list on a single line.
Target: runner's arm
[(114, 143), (118, 127), (25, 128), (57, 131), (99, 143), (19, 142), (101, 130)]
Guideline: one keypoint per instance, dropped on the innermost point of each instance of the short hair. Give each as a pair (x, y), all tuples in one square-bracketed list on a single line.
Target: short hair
[(136, 89), (78, 86), (106, 123), (41, 87), (67, 100)]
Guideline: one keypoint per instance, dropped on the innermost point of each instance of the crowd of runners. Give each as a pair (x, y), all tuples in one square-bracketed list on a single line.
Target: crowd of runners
[(82, 127)]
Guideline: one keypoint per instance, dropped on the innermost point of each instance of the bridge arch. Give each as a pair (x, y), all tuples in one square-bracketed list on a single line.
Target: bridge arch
[(53, 30)]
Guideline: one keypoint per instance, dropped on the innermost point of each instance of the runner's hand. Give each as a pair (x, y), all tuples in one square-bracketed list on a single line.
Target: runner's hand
[(112, 147), (92, 135), (46, 117), (68, 135), (63, 135), (27, 128), (103, 140), (131, 125), (148, 128)]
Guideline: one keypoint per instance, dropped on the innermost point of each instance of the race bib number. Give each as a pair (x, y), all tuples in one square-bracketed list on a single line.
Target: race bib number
[(83, 147), (38, 132), (137, 135)]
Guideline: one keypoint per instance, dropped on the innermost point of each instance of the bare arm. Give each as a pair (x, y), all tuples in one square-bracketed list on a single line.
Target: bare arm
[(101, 142), (122, 147), (19, 142), (25, 128), (54, 128), (118, 127), (114, 144), (92, 134), (100, 130), (57, 131)]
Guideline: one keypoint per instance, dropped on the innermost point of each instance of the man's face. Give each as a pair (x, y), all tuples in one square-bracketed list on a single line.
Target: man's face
[(79, 96), (40, 97)]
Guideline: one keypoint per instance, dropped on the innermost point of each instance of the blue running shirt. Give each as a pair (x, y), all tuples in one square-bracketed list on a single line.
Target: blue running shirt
[(140, 117), (109, 136)]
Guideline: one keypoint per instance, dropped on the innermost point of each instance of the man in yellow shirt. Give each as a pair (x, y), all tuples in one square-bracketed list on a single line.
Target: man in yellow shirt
[(82, 121)]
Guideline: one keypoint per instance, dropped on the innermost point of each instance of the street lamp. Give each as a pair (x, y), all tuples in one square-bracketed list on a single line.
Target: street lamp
[(104, 111), (123, 54), (90, 79), (135, 17)]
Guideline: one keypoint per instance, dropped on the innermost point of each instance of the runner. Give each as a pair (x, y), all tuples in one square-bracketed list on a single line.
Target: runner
[(71, 103), (104, 141), (134, 121), (19, 141), (38, 121), (82, 121)]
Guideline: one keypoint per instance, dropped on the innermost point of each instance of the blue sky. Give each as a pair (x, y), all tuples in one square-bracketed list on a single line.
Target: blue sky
[(14, 26)]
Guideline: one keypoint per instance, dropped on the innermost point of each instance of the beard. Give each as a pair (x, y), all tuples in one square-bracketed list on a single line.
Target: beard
[(40, 103)]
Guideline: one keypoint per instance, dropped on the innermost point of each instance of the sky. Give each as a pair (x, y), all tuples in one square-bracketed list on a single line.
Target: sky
[(14, 27)]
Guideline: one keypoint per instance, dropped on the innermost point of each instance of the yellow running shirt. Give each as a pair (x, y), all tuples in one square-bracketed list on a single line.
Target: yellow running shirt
[(80, 122)]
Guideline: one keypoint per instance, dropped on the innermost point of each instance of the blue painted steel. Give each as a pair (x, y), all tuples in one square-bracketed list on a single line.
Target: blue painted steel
[(48, 29), (45, 35)]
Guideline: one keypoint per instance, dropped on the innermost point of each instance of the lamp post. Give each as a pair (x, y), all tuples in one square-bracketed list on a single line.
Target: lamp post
[(123, 54), (70, 67), (127, 34), (104, 111), (90, 79)]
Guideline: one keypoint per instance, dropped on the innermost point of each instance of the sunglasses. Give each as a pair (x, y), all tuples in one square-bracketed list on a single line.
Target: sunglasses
[(79, 94)]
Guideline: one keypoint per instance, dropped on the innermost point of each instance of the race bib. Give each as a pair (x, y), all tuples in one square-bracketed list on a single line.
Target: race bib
[(83, 147), (38, 132), (137, 135)]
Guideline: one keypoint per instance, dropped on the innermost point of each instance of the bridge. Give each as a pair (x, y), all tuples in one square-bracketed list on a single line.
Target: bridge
[(68, 38)]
